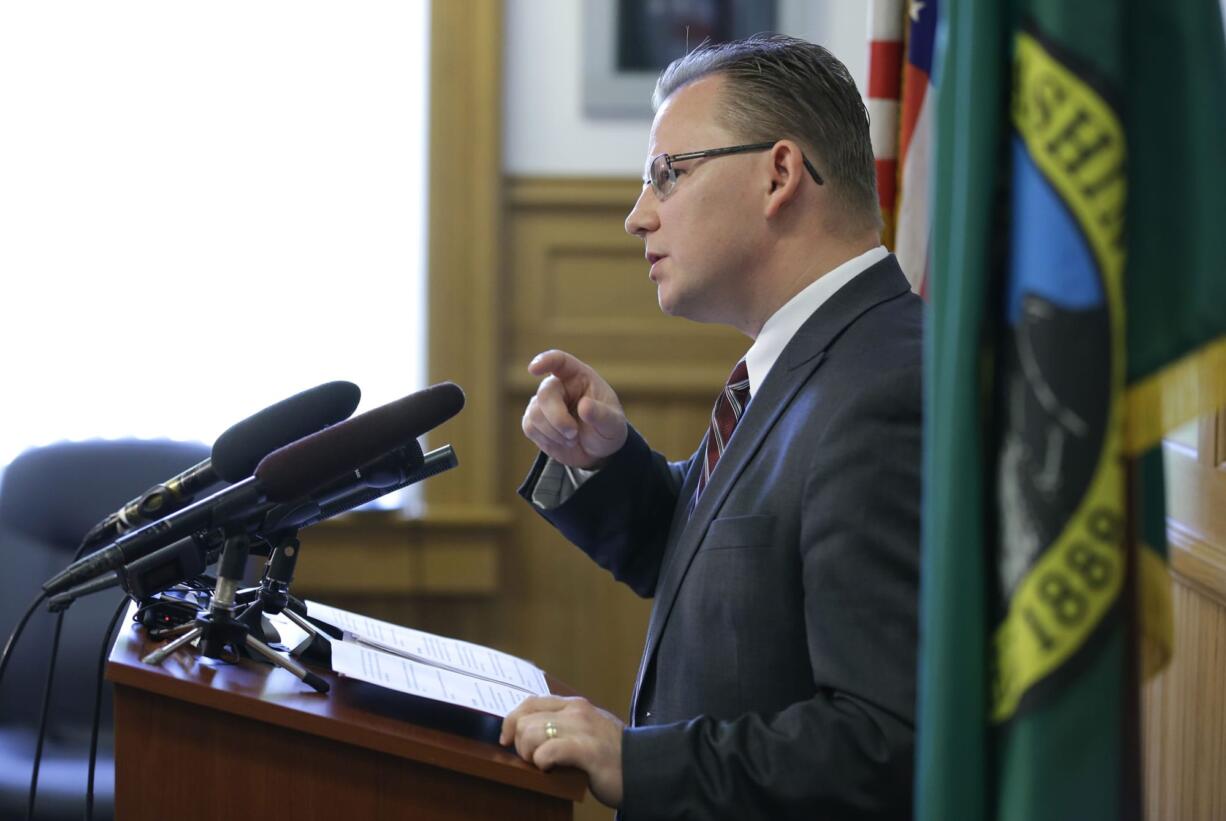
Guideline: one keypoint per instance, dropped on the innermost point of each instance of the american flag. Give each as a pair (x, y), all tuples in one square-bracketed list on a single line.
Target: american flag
[(885, 56), (901, 107)]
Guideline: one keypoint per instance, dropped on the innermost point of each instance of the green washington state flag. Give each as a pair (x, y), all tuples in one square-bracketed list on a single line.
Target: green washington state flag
[(1078, 312)]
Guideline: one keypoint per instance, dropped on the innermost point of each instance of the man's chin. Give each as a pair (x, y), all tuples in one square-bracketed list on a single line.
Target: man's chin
[(664, 300), (685, 306), (672, 305)]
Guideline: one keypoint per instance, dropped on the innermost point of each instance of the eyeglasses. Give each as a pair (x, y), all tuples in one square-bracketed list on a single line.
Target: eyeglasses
[(662, 177)]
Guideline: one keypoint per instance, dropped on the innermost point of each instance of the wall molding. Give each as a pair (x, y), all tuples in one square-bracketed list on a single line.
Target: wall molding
[(572, 192), (1196, 562)]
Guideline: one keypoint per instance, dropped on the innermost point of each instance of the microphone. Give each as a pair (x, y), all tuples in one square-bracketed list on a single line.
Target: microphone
[(285, 475), (189, 556), (241, 447), (335, 451), (398, 469), (235, 454)]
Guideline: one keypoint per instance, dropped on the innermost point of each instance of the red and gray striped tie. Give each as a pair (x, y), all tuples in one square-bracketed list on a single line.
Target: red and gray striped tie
[(724, 416)]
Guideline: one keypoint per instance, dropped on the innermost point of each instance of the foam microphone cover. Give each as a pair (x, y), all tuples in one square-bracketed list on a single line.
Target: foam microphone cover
[(237, 451), (298, 469)]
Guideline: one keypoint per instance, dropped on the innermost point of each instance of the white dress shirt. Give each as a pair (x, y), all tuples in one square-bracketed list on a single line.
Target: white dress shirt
[(778, 331)]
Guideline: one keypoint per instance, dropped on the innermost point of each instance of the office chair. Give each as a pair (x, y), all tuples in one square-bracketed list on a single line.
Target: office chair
[(49, 498)]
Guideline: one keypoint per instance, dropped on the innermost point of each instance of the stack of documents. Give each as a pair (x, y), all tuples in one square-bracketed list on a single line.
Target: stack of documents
[(423, 664)]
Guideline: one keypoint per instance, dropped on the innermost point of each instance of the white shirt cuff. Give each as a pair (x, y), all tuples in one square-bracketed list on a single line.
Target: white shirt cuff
[(557, 483)]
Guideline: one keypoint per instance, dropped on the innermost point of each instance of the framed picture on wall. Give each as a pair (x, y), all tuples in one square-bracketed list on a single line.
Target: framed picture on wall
[(628, 42)]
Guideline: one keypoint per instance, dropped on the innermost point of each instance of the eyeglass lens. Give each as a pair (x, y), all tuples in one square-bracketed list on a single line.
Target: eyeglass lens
[(660, 175)]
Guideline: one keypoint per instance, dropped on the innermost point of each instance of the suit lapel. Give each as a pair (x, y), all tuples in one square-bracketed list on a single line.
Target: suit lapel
[(799, 359)]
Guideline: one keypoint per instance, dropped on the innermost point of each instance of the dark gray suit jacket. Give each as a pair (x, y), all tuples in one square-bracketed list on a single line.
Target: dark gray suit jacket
[(778, 677)]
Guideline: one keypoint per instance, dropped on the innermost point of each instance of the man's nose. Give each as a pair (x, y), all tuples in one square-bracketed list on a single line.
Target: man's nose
[(643, 217)]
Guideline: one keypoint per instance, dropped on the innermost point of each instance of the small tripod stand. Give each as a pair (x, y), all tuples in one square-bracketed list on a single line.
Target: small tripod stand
[(218, 628), (273, 596)]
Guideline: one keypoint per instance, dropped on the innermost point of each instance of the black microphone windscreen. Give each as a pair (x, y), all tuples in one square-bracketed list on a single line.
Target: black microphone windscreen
[(300, 468), (237, 451)]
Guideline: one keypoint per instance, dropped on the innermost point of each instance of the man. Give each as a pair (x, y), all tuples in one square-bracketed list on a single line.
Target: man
[(778, 678)]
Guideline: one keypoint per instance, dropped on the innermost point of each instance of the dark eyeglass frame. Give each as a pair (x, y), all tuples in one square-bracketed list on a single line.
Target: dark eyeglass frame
[(669, 159)]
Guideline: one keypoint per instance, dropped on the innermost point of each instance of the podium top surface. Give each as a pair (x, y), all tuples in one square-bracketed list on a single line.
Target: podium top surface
[(351, 712)]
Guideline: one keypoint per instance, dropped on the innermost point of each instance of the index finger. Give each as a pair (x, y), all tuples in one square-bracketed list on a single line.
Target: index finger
[(559, 363)]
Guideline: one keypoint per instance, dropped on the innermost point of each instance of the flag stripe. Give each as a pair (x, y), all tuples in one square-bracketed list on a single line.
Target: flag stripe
[(913, 229), (1192, 385), (915, 92), (883, 128), (885, 19), (885, 50), (912, 225), (885, 68), (887, 183)]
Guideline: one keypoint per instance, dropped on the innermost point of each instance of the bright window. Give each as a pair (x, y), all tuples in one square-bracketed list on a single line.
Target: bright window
[(205, 208)]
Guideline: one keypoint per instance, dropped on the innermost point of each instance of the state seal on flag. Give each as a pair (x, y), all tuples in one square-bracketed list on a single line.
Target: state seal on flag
[(1061, 484)]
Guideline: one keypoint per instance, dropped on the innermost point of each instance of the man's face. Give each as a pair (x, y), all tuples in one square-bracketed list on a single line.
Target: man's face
[(700, 239)]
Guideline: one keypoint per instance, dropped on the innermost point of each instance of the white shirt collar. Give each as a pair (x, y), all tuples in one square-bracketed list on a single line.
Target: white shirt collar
[(778, 331)]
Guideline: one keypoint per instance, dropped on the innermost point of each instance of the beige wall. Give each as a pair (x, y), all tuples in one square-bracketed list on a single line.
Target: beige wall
[(546, 132)]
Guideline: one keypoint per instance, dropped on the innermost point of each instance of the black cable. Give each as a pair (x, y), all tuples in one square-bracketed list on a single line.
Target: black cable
[(42, 722), (93, 733), (7, 655)]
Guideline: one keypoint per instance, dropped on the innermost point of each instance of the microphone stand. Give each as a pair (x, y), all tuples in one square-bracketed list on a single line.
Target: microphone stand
[(273, 596), (219, 629), (234, 618)]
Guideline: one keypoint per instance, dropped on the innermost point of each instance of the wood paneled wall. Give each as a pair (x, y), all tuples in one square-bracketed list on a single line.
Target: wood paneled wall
[(1184, 714), (1184, 707), (579, 282)]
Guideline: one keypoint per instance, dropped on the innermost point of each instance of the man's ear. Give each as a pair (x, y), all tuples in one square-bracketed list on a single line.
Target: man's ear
[(786, 167)]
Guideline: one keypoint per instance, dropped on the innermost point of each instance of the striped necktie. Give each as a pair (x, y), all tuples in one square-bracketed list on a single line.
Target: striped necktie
[(724, 416)]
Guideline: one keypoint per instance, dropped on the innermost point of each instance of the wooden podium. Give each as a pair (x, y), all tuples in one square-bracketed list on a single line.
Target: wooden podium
[(198, 739)]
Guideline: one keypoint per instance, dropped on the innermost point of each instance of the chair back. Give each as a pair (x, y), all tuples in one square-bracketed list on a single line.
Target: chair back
[(50, 497)]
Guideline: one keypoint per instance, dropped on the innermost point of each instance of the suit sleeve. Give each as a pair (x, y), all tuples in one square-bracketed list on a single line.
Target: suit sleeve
[(621, 515), (846, 752)]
